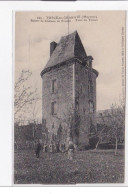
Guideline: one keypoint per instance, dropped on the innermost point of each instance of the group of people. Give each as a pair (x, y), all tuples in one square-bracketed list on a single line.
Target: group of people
[(58, 148)]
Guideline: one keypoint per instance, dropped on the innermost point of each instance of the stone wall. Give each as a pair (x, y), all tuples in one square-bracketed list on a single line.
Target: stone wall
[(71, 87), (81, 88), (63, 96), (82, 95), (94, 97)]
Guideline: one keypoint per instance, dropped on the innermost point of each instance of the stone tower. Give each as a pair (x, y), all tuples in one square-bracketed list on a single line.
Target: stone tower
[(69, 85)]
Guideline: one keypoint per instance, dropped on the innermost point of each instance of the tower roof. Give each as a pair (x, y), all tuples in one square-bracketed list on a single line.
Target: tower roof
[(69, 46)]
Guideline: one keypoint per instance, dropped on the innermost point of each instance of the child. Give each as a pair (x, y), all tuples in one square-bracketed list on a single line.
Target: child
[(70, 151)]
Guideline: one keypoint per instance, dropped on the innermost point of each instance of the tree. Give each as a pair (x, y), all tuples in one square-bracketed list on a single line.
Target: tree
[(102, 128), (117, 122), (24, 95), (113, 124)]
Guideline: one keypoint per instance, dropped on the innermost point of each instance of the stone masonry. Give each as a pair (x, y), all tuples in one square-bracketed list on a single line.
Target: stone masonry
[(68, 84)]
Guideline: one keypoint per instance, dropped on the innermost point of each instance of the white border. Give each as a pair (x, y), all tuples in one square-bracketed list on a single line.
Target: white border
[(6, 145)]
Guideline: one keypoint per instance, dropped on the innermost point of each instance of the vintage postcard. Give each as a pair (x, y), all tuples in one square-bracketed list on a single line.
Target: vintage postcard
[(69, 97)]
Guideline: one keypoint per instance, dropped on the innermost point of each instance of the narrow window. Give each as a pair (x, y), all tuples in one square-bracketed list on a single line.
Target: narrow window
[(53, 85), (91, 107), (53, 125), (77, 103), (81, 89), (77, 106), (53, 108), (90, 86)]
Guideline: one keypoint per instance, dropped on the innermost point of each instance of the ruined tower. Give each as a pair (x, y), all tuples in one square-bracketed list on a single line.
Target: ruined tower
[(69, 83)]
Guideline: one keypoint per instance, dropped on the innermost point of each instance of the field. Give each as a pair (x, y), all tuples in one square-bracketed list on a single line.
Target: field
[(92, 166)]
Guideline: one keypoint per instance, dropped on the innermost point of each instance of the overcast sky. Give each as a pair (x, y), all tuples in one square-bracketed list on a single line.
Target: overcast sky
[(101, 39)]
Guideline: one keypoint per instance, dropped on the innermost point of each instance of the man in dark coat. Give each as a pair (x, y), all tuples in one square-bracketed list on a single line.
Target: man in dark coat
[(38, 148)]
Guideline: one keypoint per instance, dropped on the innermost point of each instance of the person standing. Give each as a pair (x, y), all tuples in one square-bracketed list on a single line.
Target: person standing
[(38, 149), (70, 151)]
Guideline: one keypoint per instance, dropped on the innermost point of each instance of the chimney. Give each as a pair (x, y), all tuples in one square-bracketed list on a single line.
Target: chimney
[(52, 47)]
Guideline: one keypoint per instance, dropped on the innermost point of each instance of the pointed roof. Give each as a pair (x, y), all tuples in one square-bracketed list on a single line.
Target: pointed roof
[(69, 46)]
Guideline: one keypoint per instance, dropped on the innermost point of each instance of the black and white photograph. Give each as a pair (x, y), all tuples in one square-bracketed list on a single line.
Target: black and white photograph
[(69, 97)]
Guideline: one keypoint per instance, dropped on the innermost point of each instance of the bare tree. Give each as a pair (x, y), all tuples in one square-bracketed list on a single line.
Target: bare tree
[(24, 95), (102, 132), (34, 110), (113, 124), (117, 121)]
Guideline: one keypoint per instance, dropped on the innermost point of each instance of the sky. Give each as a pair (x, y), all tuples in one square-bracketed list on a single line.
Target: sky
[(100, 33)]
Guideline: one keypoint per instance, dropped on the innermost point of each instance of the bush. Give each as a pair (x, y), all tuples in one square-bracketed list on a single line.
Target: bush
[(92, 142), (110, 146)]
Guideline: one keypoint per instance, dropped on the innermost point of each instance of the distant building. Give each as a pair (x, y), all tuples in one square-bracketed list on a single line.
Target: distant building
[(69, 82)]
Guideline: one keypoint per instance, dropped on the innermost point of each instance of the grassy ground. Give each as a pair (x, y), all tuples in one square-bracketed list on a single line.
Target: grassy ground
[(100, 166)]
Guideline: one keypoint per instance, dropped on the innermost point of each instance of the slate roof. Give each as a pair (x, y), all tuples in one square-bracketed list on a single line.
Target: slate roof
[(69, 46)]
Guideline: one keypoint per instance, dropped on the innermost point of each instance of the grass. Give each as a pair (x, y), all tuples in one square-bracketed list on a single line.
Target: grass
[(92, 166)]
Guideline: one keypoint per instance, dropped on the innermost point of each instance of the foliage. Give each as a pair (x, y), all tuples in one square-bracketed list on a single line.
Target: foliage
[(71, 123), (72, 119)]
